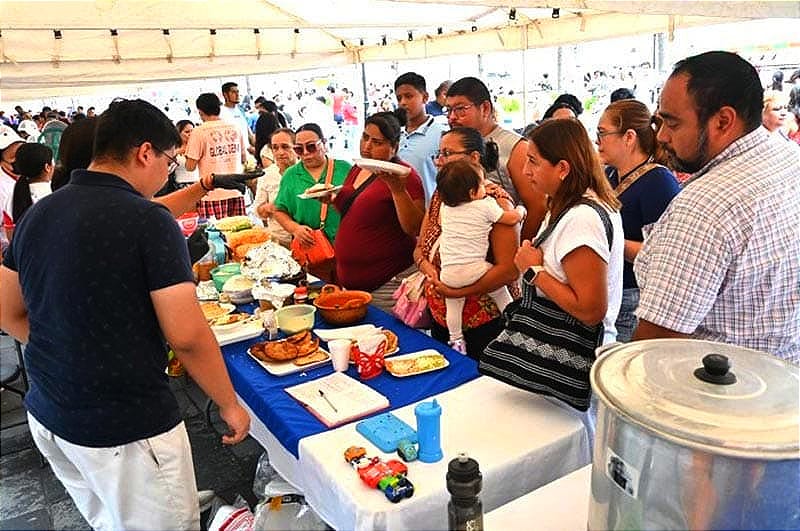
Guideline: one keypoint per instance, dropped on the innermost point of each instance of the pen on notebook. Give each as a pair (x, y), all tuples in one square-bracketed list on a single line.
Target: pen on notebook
[(327, 400)]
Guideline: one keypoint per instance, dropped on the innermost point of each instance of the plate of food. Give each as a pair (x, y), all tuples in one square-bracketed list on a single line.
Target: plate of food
[(416, 363), (319, 190), (375, 165), (215, 310), (298, 352), (230, 321)]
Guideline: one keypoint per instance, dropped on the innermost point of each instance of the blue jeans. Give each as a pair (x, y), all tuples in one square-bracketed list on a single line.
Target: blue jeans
[(626, 320)]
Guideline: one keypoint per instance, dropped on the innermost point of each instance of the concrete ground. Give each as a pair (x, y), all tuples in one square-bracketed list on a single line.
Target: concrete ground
[(32, 498)]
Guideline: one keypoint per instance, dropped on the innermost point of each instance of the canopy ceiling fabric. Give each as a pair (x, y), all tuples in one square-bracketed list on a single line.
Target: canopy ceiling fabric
[(122, 42)]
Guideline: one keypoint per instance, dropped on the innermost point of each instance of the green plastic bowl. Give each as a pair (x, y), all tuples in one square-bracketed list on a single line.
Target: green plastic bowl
[(221, 274)]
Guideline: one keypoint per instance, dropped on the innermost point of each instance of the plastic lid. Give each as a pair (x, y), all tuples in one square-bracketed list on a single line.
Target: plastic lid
[(742, 403), (301, 290)]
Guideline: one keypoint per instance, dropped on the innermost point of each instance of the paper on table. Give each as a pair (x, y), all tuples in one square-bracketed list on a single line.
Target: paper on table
[(348, 332), (350, 398)]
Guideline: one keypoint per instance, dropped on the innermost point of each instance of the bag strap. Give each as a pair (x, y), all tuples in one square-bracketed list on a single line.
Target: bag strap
[(356, 192), (323, 211), (604, 217), (627, 181)]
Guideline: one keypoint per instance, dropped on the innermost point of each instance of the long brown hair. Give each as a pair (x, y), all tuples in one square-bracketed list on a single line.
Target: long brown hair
[(634, 115), (568, 140)]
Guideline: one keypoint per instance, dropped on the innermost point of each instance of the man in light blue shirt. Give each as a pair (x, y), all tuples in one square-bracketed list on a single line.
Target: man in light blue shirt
[(420, 140)]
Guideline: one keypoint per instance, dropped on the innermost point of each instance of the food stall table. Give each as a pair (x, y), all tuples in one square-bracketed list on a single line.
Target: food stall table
[(521, 440), (562, 505)]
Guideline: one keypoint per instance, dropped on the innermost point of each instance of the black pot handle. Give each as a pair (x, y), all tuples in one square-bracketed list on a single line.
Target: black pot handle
[(716, 369)]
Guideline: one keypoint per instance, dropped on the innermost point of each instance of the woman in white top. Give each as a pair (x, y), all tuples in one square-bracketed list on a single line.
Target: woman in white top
[(34, 164), (574, 267), (184, 177), (276, 156)]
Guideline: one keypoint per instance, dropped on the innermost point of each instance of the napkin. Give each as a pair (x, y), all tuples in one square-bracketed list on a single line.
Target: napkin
[(370, 344)]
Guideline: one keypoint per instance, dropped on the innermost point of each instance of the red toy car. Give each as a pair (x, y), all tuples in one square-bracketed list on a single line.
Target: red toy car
[(386, 476)]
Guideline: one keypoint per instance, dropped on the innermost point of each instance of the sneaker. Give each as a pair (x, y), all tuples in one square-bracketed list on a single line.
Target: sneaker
[(205, 498), (459, 346)]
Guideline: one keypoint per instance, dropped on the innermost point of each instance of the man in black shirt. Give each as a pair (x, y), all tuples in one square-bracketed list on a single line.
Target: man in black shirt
[(96, 279)]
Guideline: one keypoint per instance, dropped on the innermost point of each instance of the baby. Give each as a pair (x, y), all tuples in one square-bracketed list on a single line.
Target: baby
[(467, 216)]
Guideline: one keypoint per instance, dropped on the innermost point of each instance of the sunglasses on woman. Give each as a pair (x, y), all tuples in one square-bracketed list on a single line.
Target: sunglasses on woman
[(308, 147)]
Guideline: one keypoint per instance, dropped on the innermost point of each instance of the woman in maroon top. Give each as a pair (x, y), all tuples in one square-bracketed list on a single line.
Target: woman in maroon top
[(381, 216)]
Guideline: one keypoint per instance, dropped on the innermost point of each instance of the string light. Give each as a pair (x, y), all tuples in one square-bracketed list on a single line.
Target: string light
[(474, 29), (556, 12), (512, 14), (410, 36)]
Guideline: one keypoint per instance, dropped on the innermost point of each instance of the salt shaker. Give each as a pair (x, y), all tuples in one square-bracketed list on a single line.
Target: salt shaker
[(429, 431)]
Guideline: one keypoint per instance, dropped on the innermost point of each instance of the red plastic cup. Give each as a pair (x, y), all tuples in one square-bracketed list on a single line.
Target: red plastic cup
[(369, 365)]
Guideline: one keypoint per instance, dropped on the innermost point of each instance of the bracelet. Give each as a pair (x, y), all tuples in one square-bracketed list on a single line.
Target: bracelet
[(204, 186), (419, 261)]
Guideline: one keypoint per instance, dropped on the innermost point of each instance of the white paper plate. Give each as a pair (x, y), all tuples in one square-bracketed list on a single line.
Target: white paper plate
[(382, 165), (227, 328), (348, 332), (413, 355), (281, 368), (248, 330), (319, 193)]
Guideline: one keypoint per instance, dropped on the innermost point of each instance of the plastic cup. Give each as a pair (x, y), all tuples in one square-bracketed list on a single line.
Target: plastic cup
[(340, 353)]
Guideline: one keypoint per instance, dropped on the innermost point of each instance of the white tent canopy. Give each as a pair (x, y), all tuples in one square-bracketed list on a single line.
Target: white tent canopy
[(54, 47)]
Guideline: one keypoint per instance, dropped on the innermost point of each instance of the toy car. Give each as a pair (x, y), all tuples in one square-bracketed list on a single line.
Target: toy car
[(406, 450), (386, 476)]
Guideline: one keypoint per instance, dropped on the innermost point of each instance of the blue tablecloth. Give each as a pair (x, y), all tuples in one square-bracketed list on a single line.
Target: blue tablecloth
[(289, 422)]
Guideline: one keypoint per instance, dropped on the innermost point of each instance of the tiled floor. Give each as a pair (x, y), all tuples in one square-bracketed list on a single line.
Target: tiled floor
[(32, 498)]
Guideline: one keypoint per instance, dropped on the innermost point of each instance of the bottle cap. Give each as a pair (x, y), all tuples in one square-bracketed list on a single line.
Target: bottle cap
[(301, 290)]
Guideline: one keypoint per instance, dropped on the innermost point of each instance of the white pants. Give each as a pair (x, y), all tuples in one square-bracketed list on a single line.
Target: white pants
[(147, 484), (458, 276)]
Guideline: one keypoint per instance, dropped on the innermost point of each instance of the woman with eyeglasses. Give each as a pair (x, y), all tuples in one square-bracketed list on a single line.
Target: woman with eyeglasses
[(480, 318), (626, 143), (276, 157), (380, 214), (299, 217), (469, 104)]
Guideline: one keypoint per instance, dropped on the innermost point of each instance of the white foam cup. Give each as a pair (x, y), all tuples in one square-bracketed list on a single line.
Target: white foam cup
[(340, 353)]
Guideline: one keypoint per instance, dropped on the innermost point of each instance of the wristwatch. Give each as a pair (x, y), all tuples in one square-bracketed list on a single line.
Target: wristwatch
[(530, 274)]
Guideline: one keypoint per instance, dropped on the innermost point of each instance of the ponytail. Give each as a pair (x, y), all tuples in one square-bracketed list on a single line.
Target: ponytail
[(21, 200)]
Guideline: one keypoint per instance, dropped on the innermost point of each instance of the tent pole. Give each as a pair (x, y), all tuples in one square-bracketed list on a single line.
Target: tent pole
[(524, 89), (364, 89)]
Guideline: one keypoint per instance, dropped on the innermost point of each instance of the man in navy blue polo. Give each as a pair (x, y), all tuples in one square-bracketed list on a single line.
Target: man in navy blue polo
[(96, 279)]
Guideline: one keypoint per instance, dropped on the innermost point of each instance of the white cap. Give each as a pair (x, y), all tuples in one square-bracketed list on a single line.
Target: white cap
[(29, 128), (8, 136)]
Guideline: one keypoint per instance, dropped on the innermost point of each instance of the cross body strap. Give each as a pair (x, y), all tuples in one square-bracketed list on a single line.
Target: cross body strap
[(604, 217), (323, 211), (356, 192), (631, 178)]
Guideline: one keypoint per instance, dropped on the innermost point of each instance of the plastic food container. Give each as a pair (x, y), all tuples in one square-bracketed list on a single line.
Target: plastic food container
[(296, 318), (188, 223), (221, 274)]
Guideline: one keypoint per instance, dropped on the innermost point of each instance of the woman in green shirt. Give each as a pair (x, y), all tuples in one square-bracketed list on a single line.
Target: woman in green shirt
[(301, 216)]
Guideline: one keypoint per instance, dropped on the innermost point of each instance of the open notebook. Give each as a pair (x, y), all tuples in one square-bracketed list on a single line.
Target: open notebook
[(345, 399)]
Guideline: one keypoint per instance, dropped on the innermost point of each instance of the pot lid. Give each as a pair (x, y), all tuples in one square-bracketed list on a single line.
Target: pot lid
[(675, 389)]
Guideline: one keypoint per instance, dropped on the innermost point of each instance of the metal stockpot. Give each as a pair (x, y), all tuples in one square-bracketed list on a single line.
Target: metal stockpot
[(688, 440)]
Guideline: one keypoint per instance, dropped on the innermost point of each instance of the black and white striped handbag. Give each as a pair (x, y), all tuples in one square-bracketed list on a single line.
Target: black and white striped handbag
[(542, 348)]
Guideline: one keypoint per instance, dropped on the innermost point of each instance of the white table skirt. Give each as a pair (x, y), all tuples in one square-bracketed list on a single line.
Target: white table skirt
[(562, 505), (521, 441)]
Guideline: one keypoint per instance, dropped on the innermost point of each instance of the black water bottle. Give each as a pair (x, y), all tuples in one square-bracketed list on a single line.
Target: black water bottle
[(465, 510)]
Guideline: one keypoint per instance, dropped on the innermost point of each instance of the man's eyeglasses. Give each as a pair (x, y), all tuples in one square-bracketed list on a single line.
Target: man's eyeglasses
[(458, 110), (446, 153), (277, 147), (310, 147), (173, 162), (601, 134)]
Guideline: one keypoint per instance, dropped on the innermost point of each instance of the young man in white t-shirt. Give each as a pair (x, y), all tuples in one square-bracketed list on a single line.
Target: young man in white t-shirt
[(467, 217), (216, 146)]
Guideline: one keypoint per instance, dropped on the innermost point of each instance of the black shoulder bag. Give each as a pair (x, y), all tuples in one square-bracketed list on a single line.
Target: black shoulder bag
[(542, 348)]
